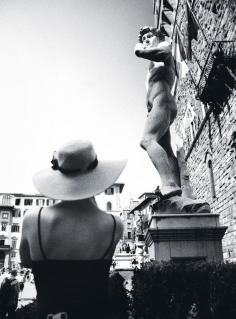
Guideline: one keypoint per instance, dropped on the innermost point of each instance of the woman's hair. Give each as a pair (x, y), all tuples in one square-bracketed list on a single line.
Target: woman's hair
[(154, 31)]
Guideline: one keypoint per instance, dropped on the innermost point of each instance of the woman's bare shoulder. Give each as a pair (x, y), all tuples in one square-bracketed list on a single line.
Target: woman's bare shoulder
[(119, 222), (30, 216), (119, 227)]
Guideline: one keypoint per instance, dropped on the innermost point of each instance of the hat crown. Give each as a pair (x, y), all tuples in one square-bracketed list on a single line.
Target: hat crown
[(76, 155)]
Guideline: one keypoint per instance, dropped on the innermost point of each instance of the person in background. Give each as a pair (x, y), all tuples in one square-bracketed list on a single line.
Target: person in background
[(21, 279), (4, 273), (9, 293), (74, 236), (127, 249)]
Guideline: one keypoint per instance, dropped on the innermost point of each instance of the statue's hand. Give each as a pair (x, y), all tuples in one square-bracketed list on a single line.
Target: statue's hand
[(139, 48)]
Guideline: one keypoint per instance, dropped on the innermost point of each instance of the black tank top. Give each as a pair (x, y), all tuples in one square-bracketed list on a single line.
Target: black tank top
[(78, 287)]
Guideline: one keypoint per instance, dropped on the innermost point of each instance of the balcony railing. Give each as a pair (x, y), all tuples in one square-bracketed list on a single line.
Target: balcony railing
[(218, 78), (5, 247)]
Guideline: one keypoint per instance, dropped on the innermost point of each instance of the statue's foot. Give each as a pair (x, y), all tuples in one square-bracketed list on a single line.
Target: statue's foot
[(181, 205), (170, 191)]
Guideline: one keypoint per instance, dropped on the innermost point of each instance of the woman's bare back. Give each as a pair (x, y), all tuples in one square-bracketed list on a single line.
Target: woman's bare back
[(81, 232)]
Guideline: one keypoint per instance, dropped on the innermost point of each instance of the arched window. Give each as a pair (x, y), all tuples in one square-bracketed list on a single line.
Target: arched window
[(16, 212), (109, 206), (109, 191), (14, 242), (28, 201), (2, 258), (212, 181), (208, 161), (17, 201)]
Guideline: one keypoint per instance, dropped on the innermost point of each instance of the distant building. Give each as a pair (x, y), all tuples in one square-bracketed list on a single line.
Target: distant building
[(12, 210), (128, 222), (6, 216), (137, 210), (141, 213), (131, 252), (110, 199)]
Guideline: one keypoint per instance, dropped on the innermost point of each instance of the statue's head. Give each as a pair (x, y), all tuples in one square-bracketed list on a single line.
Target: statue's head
[(150, 36)]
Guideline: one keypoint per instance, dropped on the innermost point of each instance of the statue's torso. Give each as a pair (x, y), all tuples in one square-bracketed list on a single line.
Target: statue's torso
[(160, 82)]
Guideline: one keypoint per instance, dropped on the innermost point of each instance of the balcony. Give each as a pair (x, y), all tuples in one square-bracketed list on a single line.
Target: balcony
[(218, 78), (5, 248)]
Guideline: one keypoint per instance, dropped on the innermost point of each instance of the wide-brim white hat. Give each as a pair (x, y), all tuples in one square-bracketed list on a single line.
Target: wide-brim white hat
[(77, 173)]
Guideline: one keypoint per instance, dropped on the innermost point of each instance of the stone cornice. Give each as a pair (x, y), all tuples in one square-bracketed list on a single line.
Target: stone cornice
[(185, 234)]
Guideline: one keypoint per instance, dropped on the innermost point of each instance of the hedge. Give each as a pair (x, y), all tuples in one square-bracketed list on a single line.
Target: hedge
[(119, 301), (171, 290)]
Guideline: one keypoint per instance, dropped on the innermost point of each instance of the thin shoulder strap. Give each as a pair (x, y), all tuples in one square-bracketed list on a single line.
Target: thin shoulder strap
[(112, 238), (39, 235)]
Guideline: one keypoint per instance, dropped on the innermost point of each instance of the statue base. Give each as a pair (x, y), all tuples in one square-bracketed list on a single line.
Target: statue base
[(179, 237)]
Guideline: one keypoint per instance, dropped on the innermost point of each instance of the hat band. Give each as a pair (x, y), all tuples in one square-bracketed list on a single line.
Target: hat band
[(55, 166)]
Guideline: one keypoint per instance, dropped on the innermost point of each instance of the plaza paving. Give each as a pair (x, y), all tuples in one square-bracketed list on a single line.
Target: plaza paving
[(28, 294)]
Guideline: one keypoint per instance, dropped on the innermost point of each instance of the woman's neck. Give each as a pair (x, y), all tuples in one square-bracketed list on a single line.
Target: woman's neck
[(83, 204)]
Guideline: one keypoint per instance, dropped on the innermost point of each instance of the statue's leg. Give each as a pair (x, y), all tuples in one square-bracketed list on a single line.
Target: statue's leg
[(157, 125), (184, 175), (165, 142)]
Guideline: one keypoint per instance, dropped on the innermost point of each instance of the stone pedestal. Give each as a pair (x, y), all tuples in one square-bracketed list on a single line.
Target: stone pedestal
[(185, 237), (124, 261)]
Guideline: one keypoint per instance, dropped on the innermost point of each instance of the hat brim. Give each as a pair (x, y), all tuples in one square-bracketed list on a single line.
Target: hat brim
[(75, 186)]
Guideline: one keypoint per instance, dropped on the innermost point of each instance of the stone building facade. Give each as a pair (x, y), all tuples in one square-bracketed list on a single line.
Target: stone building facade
[(206, 119), (12, 209), (6, 216)]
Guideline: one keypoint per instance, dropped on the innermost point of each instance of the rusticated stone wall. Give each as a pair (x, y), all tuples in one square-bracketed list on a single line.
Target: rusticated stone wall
[(211, 158)]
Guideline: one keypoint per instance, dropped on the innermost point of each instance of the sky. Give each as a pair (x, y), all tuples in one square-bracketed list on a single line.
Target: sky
[(68, 71)]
